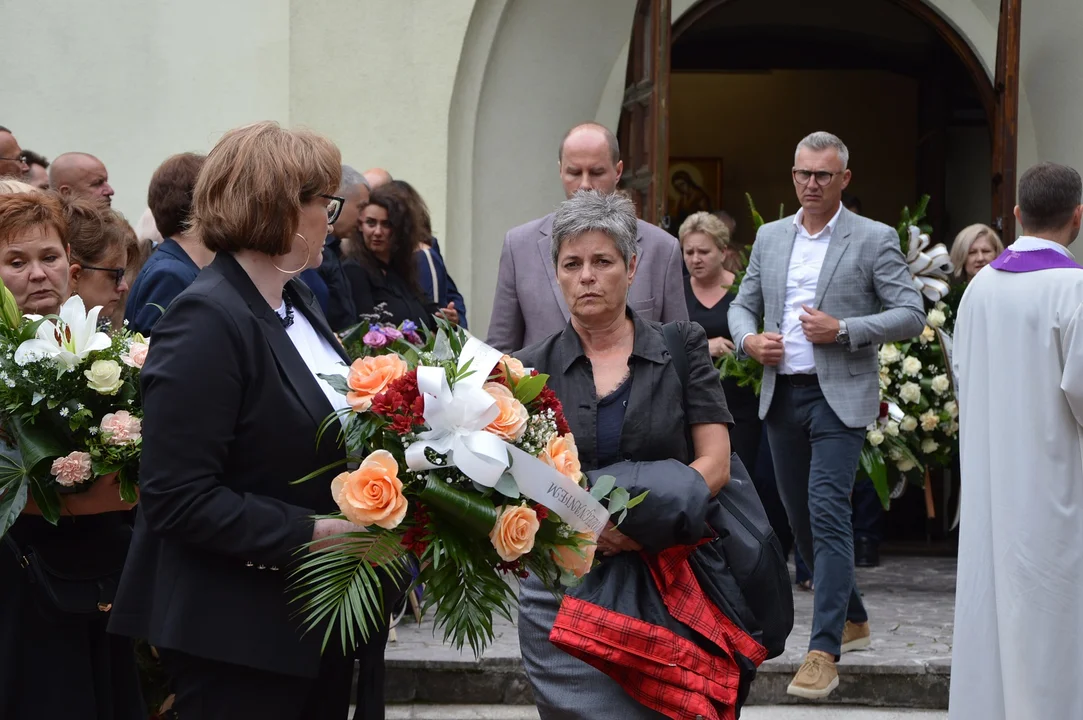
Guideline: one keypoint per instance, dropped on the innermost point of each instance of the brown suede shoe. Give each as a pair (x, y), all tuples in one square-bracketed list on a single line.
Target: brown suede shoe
[(816, 678), (855, 636)]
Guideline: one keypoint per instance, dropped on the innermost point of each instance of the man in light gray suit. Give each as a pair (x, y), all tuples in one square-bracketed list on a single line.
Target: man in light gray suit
[(529, 305), (829, 287)]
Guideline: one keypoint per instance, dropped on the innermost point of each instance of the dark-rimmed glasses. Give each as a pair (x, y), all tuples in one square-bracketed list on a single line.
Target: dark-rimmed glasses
[(823, 177), (118, 273), (334, 207)]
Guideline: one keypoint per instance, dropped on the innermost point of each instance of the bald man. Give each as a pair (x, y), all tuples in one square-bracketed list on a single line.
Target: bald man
[(81, 175), (377, 177), (12, 163), (588, 159)]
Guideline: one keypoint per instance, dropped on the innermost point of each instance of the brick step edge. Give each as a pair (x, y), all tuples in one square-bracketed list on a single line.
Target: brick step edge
[(505, 683)]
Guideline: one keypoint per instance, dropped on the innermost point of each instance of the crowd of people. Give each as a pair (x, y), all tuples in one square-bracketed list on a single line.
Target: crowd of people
[(252, 260)]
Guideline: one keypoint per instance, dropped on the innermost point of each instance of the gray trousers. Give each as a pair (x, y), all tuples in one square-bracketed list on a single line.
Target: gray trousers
[(816, 458)]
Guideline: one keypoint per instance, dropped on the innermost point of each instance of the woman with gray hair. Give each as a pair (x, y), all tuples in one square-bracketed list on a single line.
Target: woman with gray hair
[(624, 402)]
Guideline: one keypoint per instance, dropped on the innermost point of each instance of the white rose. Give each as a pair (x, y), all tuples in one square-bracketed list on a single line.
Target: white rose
[(929, 446), (953, 428), (908, 424), (104, 377), (911, 366), (889, 354), (892, 428), (927, 335), (895, 454), (905, 465), (875, 437), (910, 393), (937, 318), (929, 420), (951, 408), (941, 384)]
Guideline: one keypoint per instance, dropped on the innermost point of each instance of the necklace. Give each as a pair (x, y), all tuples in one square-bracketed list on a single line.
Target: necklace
[(286, 319)]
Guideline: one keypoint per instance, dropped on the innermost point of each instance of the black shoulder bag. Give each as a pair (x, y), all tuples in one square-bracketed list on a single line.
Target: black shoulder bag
[(87, 592)]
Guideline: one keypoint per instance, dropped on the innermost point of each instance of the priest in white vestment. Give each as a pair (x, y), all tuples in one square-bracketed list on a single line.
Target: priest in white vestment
[(1018, 649)]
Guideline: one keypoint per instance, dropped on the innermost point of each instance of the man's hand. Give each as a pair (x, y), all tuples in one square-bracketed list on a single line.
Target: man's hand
[(765, 348), (613, 541), (819, 327), (449, 313), (720, 346)]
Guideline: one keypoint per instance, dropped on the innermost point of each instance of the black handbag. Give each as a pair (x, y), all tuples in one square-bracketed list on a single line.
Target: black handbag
[(74, 592)]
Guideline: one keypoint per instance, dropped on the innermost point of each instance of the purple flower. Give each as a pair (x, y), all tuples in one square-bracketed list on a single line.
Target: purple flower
[(375, 339), (391, 332), (408, 326), (413, 338)]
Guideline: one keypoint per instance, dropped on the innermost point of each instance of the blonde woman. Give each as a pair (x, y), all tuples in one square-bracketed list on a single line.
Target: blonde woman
[(975, 247)]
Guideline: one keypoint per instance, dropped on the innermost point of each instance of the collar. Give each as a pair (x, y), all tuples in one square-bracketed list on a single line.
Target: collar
[(1027, 243), (171, 247), (829, 228), (647, 343)]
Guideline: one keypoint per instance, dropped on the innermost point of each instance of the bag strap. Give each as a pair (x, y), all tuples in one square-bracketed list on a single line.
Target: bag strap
[(671, 334), (20, 557)]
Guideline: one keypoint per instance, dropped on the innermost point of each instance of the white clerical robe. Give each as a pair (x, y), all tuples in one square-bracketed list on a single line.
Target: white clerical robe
[(1018, 649)]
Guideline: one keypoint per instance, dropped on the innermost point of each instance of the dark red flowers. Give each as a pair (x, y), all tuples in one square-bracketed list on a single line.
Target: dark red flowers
[(415, 537), (547, 400), (401, 404)]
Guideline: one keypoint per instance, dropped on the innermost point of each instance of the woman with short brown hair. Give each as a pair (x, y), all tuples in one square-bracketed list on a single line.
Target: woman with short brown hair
[(99, 239), (233, 401)]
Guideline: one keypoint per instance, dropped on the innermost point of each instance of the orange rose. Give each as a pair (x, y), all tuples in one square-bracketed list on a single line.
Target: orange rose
[(370, 376), (371, 494), (510, 424), (561, 454), (514, 531), (576, 560), (513, 367)]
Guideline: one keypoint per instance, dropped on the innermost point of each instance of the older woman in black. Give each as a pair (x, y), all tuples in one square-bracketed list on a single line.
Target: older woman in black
[(382, 269), (623, 401), (233, 403)]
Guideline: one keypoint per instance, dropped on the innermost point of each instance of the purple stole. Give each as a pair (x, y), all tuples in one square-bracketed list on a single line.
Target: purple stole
[(1032, 260)]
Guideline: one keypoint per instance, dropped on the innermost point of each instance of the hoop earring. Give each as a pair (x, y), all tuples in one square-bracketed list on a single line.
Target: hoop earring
[(294, 272)]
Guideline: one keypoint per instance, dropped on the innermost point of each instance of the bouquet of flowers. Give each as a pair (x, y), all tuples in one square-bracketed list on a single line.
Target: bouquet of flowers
[(69, 406), (467, 473)]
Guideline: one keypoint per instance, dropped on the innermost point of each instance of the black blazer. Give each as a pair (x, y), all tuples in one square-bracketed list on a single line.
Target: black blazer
[(231, 416), (372, 287)]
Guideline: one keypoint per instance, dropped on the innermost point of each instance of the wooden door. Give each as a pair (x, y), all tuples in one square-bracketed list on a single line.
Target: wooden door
[(1006, 119), (644, 122)]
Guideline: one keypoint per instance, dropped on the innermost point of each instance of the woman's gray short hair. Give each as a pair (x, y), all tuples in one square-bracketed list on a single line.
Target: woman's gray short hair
[(592, 211), (820, 141)]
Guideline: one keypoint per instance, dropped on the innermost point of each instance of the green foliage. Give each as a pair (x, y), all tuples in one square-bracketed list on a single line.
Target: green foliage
[(915, 218)]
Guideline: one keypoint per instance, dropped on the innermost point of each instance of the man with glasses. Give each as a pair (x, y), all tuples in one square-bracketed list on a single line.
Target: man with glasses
[(828, 287), (12, 162)]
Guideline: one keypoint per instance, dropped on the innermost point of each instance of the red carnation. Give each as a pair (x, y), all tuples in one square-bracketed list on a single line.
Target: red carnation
[(401, 404), (542, 512), (547, 400)]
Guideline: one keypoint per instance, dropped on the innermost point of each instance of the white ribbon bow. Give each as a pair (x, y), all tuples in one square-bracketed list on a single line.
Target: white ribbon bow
[(930, 265), (457, 418)]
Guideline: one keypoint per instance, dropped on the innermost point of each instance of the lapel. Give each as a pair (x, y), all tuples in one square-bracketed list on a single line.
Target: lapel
[(290, 364), (545, 249), (840, 240), (783, 267)]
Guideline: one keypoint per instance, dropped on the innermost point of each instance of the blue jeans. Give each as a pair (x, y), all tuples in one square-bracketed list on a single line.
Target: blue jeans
[(816, 458)]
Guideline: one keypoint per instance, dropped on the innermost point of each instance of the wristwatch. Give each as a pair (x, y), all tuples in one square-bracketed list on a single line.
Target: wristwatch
[(843, 337)]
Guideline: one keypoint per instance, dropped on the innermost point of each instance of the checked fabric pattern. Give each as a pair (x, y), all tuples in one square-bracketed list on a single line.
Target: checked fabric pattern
[(655, 666)]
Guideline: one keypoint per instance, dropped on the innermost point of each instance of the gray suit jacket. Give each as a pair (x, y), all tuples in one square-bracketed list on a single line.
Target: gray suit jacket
[(864, 281), (530, 307)]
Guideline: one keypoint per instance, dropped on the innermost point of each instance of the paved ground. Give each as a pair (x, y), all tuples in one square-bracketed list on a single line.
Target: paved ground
[(762, 712), (911, 606)]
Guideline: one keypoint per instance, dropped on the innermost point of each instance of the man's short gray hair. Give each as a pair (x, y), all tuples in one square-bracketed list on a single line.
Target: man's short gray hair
[(820, 141), (350, 179), (592, 211)]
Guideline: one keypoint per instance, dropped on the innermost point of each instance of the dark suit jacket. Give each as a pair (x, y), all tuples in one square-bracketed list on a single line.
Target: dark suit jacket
[(341, 313), (231, 416), (529, 304), (165, 275)]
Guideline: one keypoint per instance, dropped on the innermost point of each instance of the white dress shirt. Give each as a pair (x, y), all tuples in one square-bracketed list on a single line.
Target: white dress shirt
[(318, 355), (1026, 243), (801, 280)]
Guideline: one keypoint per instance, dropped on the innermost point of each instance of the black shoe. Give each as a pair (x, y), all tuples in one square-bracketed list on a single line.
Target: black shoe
[(866, 553)]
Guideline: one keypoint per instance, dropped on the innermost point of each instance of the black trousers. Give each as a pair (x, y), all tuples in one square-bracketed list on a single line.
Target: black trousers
[(213, 690)]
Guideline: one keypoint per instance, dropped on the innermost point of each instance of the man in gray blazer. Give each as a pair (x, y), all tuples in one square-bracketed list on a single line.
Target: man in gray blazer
[(529, 306), (829, 287)]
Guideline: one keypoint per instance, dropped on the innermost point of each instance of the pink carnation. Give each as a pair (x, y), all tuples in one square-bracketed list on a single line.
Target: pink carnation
[(375, 339), (75, 467), (391, 332), (121, 427)]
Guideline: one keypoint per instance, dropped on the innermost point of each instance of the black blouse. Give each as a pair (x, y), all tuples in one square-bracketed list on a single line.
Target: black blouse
[(743, 402), (374, 286), (654, 419)]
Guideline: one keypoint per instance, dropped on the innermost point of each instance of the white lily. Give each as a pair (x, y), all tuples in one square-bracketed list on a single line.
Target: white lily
[(67, 341)]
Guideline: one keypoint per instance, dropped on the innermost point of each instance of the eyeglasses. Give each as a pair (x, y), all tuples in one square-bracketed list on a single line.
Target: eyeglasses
[(118, 273), (823, 177), (334, 207), (21, 160)]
